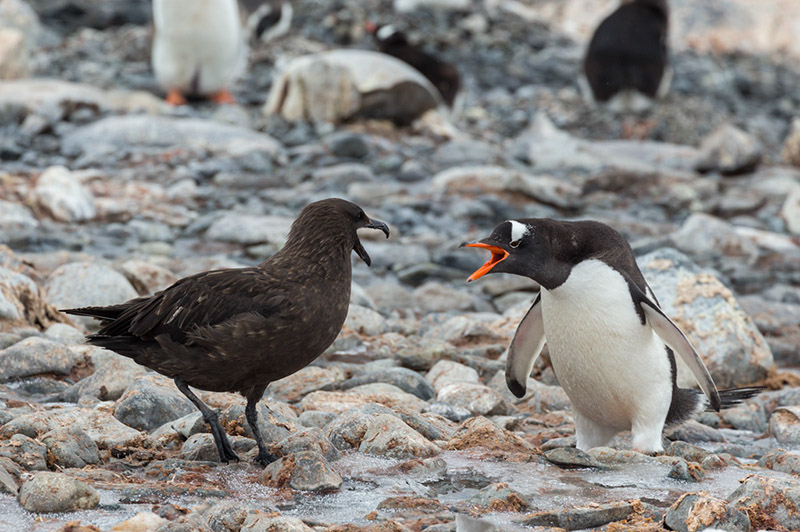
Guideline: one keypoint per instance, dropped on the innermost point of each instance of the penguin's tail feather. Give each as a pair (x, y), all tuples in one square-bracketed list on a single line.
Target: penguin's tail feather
[(734, 396)]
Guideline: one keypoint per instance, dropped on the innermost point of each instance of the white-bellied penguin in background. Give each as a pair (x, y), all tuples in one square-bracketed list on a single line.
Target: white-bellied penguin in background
[(610, 344), (199, 48)]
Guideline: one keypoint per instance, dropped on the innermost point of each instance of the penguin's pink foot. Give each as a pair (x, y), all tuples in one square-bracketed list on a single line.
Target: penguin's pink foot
[(174, 97), (223, 97)]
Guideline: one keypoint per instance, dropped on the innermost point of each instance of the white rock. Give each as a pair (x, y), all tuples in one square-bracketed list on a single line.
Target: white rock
[(141, 522), (406, 6), (790, 212), (16, 216), (365, 321), (342, 84), (63, 197), (729, 151), (14, 58), (446, 372), (82, 284), (477, 398), (249, 229)]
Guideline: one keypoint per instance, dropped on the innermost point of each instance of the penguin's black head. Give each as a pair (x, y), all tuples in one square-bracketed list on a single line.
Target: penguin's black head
[(541, 249)]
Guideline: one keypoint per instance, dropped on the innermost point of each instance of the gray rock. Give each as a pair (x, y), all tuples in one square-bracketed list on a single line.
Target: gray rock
[(261, 522), (347, 144), (118, 135), (694, 432), (86, 284), (571, 458), (201, 447), (272, 425), (464, 328), (112, 376), (499, 497), (790, 211), (687, 451), (151, 401), (408, 6), (405, 379), (784, 425), (14, 216), (62, 196), (14, 56), (36, 355), (772, 502), (727, 339), (314, 418), (729, 151), (55, 98), (342, 174), (390, 437), (780, 460), (299, 384), (438, 297), (365, 321), (695, 512), (446, 372), (306, 440), (477, 398), (771, 317), (468, 180), (55, 492), (64, 333), (338, 85), (347, 430), (185, 427), (423, 357), (71, 447), (448, 411), (464, 152), (304, 470), (746, 417), (146, 278), (8, 484), (539, 397), (704, 236), (686, 471), (583, 517), (28, 453), (226, 516), (249, 229)]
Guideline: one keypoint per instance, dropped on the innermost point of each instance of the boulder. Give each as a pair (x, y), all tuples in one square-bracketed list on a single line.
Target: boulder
[(339, 85), (55, 492), (37, 355), (729, 151), (60, 195), (770, 503), (726, 338), (151, 401), (389, 437), (304, 470), (695, 512)]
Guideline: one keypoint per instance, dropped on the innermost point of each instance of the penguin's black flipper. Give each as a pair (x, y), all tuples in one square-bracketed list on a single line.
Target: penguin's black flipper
[(525, 348)]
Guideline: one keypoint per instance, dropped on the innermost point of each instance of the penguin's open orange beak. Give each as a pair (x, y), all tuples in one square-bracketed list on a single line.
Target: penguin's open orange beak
[(498, 255)]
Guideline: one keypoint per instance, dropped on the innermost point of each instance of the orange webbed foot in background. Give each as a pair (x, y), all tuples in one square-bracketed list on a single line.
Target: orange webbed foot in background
[(174, 97), (222, 96)]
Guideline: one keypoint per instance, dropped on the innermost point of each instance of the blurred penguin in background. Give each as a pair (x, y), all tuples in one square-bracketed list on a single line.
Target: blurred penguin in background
[(443, 75), (199, 48), (626, 64), (266, 20)]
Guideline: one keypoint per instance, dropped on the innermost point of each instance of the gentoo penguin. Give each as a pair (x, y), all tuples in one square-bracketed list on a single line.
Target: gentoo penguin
[(610, 344), (443, 75), (237, 330), (267, 19), (198, 48), (626, 64)]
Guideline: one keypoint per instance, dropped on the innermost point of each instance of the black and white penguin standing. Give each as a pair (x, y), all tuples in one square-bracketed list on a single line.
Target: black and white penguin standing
[(626, 65), (267, 19), (199, 48), (611, 346)]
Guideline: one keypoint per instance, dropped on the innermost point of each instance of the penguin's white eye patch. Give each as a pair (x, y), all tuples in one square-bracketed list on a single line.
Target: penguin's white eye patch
[(515, 243)]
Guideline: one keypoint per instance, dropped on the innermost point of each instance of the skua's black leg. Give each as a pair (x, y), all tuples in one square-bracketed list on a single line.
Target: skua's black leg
[(224, 448)]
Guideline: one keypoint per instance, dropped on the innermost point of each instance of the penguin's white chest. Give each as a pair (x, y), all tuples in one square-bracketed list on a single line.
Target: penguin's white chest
[(614, 369), (198, 45)]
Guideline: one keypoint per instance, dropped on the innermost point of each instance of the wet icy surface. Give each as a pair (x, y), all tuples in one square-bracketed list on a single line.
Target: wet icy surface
[(370, 480)]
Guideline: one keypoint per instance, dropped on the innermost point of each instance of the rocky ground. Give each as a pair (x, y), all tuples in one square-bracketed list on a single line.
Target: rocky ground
[(405, 423)]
